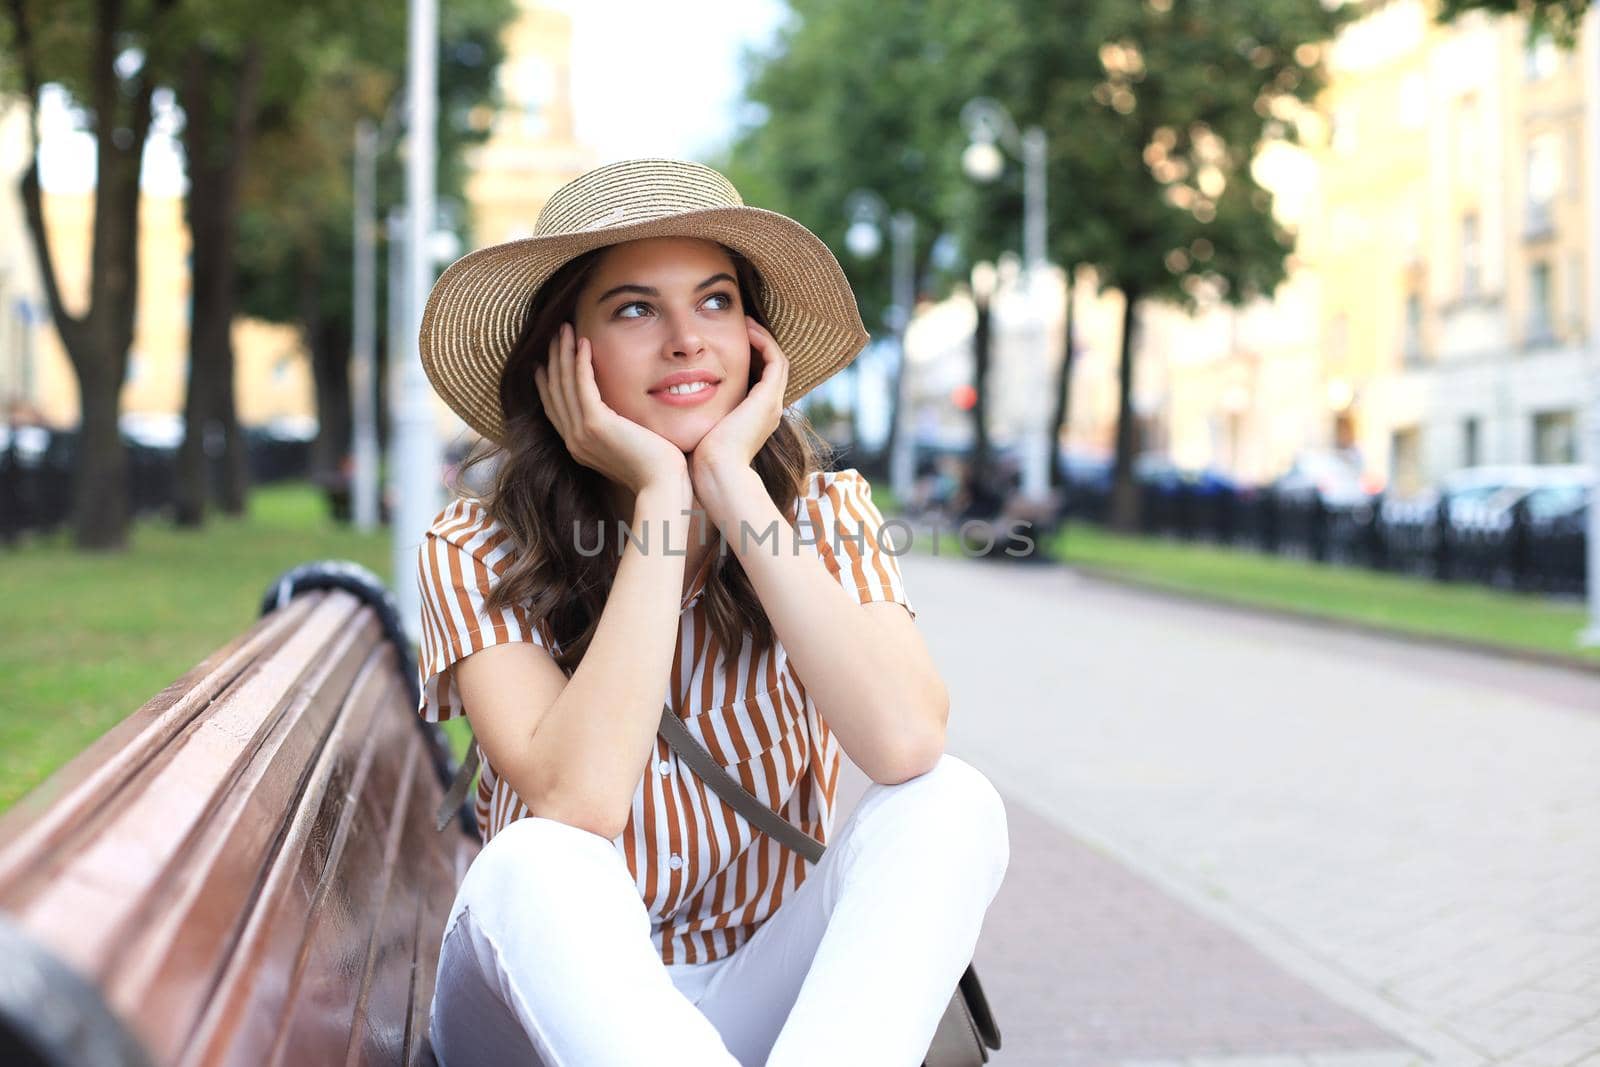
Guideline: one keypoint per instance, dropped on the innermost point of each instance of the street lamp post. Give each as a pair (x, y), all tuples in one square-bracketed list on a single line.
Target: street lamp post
[(1590, 637), (867, 212), (990, 128), (414, 459), (364, 359)]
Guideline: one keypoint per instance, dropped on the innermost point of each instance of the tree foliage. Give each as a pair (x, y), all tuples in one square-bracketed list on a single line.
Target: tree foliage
[(297, 219), (1153, 113), (1560, 19), (110, 56)]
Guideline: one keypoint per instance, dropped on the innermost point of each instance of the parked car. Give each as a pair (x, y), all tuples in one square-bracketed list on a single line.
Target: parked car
[(1333, 474), (1479, 497), (1086, 470)]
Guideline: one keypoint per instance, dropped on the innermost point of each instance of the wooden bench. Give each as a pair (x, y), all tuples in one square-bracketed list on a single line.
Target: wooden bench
[(246, 870)]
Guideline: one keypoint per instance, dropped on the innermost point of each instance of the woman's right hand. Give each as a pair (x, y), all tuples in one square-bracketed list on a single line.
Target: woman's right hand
[(619, 448)]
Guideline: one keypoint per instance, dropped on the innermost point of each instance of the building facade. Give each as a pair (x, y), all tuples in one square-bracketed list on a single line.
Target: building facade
[(1444, 214)]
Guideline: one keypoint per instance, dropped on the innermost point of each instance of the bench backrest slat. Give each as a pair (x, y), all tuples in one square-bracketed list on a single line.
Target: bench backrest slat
[(251, 875)]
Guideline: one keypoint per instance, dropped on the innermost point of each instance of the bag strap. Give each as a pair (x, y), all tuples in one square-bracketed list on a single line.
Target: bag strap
[(453, 797), (728, 788), (692, 752)]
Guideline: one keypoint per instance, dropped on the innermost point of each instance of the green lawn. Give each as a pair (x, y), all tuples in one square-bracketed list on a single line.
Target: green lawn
[(1412, 605), (86, 639)]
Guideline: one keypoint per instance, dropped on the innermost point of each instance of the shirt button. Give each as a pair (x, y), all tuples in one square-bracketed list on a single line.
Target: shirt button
[(675, 862), (664, 767)]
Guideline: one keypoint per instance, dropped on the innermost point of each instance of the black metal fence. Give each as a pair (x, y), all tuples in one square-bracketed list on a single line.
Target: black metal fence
[(1509, 548), (37, 473)]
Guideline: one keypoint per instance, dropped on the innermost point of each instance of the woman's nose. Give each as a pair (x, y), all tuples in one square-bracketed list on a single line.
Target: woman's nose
[(683, 335)]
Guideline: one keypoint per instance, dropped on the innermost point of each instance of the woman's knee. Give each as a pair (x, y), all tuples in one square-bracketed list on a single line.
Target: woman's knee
[(961, 813), (546, 861)]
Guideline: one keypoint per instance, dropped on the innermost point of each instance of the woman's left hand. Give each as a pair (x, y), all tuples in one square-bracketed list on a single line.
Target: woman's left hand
[(733, 442)]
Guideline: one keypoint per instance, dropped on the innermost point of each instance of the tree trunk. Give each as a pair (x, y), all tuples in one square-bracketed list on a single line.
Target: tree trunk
[(1058, 421), (983, 495), (97, 341), (219, 104), (330, 357), (100, 498), (329, 345), (1124, 489), (235, 488)]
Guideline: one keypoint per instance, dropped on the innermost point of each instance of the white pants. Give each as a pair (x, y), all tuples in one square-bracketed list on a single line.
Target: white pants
[(547, 960)]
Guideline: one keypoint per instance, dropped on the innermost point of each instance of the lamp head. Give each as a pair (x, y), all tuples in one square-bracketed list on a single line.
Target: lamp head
[(982, 161)]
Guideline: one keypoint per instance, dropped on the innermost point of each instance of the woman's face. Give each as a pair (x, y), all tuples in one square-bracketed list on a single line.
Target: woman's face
[(662, 308)]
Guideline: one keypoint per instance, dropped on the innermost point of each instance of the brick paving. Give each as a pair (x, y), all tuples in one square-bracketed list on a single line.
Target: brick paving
[(1243, 841), (1086, 962)]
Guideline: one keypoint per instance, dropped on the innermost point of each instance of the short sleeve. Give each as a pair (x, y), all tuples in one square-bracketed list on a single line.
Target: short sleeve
[(461, 557), (847, 531)]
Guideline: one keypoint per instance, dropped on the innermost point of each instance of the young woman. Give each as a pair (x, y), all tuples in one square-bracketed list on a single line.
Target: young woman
[(658, 529)]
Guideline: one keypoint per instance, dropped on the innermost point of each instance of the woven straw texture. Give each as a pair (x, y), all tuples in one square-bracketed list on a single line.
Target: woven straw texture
[(476, 309)]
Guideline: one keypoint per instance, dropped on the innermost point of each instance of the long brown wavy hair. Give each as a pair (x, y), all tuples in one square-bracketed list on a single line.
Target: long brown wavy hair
[(542, 496)]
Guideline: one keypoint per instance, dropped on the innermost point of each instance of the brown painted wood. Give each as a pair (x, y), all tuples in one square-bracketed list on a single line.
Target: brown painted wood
[(246, 867)]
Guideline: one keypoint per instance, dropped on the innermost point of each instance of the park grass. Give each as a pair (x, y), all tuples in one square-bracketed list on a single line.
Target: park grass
[(1409, 605), (85, 639)]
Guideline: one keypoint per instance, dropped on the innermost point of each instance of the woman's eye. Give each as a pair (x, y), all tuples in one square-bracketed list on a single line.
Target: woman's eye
[(725, 298), (622, 312)]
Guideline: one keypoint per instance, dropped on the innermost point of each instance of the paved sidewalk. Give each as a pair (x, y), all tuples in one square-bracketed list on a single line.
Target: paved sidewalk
[(1248, 841)]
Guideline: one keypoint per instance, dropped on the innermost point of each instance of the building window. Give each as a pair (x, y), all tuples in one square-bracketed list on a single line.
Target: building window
[(1413, 101), (1471, 256), (1543, 175), (1555, 437), (1405, 460), (1411, 231), (1540, 319), (1342, 132), (1411, 342), (1575, 297), (1540, 58), (535, 91), (1471, 444), (1338, 338), (1467, 136)]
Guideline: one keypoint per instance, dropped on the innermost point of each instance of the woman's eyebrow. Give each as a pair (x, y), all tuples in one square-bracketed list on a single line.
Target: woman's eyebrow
[(714, 279), (642, 290), (645, 290)]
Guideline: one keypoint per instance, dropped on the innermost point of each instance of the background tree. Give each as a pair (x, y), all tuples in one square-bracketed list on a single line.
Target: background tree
[(1559, 18), (1153, 114), (219, 88), (297, 200), (108, 55), (852, 96), (1152, 140)]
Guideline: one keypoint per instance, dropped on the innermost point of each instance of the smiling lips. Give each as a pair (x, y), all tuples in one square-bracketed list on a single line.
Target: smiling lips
[(686, 389)]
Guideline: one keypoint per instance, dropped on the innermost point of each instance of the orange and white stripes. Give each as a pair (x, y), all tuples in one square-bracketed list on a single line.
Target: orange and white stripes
[(707, 879)]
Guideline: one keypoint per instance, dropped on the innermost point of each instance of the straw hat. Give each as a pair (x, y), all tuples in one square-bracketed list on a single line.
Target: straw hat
[(476, 310)]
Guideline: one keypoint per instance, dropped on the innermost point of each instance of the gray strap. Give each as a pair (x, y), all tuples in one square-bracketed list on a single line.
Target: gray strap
[(699, 760), (458, 788), (728, 788)]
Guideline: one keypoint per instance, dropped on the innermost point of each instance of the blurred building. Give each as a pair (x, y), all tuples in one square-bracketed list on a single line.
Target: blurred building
[(1436, 314), (532, 147)]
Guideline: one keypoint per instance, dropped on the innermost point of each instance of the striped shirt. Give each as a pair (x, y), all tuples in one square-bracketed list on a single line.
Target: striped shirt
[(707, 878)]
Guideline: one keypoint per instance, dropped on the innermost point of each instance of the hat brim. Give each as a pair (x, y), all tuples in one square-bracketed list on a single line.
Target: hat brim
[(475, 311)]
